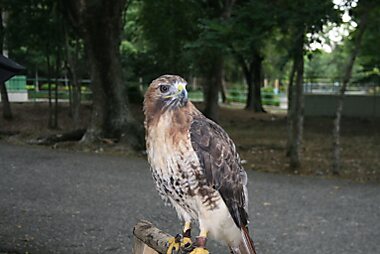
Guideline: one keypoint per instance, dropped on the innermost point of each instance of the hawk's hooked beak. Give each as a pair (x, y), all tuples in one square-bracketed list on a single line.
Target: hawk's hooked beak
[(181, 93)]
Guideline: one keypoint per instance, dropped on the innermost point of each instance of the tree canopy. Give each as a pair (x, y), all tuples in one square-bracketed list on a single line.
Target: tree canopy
[(175, 36), (234, 43)]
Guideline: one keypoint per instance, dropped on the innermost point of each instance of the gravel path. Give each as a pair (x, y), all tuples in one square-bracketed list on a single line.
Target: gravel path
[(69, 202)]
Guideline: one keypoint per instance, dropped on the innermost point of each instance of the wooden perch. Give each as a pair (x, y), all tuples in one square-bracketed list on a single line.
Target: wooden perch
[(148, 239)]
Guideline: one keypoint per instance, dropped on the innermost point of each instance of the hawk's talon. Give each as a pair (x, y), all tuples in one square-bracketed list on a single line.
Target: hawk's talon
[(186, 241), (173, 245), (178, 243), (178, 238), (187, 245), (200, 250)]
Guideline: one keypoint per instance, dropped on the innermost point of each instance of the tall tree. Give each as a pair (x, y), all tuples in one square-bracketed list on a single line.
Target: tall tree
[(211, 47), (212, 83), (251, 26), (7, 112), (364, 9), (298, 18), (295, 114), (31, 45), (189, 41), (369, 57), (167, 41), (214, 76), (72, 52), (57, 32), (100, 23)]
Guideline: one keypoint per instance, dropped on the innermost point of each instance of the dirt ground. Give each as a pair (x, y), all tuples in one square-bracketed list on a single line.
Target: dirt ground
[(260, 138)]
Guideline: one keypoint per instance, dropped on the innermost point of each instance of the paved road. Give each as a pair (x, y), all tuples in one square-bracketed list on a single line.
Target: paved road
[(69, 202)]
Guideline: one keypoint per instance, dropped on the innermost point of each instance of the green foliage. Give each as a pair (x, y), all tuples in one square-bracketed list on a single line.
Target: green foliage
[(251, 26), (332, 65), (184, 37), (276, 62), (369, 55), (167, 26), (299, 16), (35, 35), (326, 65), (31, 30)]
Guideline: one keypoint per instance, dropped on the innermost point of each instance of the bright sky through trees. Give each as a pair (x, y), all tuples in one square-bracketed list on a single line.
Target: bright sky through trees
[(334, 34)]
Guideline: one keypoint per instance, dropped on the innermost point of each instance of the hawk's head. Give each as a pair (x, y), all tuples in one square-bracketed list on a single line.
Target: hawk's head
[(165, 93)]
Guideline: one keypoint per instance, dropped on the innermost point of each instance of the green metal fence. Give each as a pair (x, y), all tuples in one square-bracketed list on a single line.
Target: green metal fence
[(38, 90), (240, 96), (62, 95), (16, 84)]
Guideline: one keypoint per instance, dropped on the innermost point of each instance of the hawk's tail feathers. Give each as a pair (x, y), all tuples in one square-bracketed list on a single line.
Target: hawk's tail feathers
[(246, 245)]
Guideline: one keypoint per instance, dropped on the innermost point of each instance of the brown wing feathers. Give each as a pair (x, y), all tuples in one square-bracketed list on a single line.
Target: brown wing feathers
[(221, 165)]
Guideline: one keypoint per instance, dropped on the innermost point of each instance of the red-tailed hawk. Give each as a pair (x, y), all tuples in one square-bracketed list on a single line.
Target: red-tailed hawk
[(196, 168)]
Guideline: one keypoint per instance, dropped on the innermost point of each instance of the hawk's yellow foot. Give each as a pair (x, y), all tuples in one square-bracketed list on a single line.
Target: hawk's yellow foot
[(186, 241), (199, 250), (176, 244), (200, 244)]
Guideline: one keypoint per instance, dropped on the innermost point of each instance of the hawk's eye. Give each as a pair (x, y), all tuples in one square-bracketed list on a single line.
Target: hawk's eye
[(164, 88)]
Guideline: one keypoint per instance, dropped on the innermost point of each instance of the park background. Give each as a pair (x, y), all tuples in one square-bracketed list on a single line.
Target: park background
[(295, 83), (284, 60)]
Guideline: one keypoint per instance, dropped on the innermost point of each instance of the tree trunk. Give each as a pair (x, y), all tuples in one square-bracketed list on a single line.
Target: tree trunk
[(290, 108), (51, 115), (69, 88), (55, 121), (215, 75), (2, 34), (7, 112), (75, 88), (223, 90), (297, 108), (336, 163), (248, 74), (68, 79), (101, 26), (212, 87), (253, 76), (73, 135), (254, 101)]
